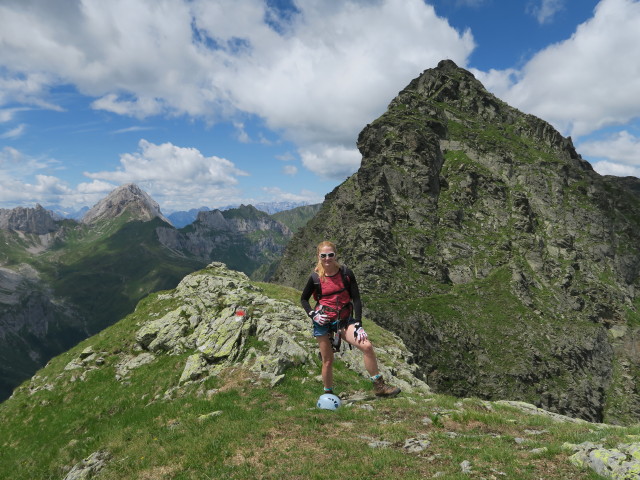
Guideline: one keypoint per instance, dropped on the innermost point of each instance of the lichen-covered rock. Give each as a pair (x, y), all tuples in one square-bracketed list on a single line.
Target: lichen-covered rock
[(131, 362), (89, 467), (195, 367), (165, 333), (620, 463), (225, 320)]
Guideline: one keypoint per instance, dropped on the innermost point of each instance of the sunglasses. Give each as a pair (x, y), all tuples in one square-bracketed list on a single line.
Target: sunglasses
[(325, 255)]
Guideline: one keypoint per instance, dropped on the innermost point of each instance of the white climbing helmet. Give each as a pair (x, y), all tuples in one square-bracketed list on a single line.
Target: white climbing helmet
[(329, 401)]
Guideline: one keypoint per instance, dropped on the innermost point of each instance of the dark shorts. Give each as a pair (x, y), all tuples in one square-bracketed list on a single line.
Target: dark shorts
[(320, 330)]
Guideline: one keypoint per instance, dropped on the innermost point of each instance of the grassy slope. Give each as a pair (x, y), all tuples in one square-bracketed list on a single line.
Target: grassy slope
[(121, 259), (262, 432), (298, 217), (102, 271)]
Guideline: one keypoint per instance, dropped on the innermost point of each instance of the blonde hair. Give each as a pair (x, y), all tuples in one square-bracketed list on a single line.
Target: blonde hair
[(319, 267)]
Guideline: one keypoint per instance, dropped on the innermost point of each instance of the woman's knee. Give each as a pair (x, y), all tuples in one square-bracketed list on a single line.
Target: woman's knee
[(366, 348)]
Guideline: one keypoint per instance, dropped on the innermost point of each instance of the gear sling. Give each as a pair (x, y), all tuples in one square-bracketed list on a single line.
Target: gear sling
[(341, 320)]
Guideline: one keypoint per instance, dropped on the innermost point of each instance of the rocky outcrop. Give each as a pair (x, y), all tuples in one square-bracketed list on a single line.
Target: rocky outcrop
[(222, 320), (621, 462), (481, 237), (28, 220), (127, 198)]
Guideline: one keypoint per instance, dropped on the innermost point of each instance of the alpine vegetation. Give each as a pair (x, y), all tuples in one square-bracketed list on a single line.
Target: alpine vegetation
[(219, 378), (482, 238)]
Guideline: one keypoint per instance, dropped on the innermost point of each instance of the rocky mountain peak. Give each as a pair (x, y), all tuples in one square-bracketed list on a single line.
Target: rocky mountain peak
[(28, 220), (127, 198), (474, 227)]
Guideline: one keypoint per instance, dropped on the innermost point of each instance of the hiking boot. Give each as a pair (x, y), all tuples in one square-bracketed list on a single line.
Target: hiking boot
[(381, 389)]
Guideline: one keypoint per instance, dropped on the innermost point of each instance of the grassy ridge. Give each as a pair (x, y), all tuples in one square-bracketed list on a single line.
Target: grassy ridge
[(250, 430)]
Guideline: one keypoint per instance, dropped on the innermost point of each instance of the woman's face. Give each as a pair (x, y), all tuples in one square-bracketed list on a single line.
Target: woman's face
[(327, 256)]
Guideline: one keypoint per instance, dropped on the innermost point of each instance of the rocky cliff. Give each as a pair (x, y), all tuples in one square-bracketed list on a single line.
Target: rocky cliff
[(480, 235), (28, 220), (244, 238), (127, 198)]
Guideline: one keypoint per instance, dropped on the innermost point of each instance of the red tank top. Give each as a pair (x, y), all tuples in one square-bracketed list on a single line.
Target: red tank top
[(335, 296)]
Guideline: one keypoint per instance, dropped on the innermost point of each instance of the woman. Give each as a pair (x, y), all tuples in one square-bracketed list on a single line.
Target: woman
[(339, 310)]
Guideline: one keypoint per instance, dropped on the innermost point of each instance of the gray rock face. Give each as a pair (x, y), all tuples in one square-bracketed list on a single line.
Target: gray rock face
[(244, 238), (127, 198), (28, 220), (219, 312), (619, 463), (482, 238)]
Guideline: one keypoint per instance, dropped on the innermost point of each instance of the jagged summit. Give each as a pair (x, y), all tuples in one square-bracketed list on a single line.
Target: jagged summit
[(27, 220), (129, 198), (479, 234)]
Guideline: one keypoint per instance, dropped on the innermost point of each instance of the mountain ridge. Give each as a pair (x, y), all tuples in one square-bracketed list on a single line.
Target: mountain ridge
[(508, 266), (230, 363), (61, 280)]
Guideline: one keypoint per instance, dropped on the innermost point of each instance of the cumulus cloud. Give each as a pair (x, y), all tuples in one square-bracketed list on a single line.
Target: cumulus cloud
[(23, 179), (330, 161), (317, 74), (175, 176), (610, 168), (586, 82), (170, 163), (621, 148), (545, 10)]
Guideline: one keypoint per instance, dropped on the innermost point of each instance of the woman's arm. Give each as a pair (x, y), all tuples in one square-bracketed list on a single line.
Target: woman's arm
[(306, 295)]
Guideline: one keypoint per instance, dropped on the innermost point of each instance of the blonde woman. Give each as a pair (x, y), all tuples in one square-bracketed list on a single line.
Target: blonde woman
[(338, 311)]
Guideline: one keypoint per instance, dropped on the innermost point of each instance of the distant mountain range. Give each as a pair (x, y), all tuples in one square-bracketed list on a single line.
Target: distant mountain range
[(181, 218), (62, 280)]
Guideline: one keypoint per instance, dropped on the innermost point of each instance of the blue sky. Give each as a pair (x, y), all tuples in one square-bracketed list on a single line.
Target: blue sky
[(219, 102)]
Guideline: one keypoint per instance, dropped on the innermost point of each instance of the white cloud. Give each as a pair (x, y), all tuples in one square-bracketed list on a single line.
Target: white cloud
[(621, 147), (330, 69), (139, 107), (588, 81), (172, 164), (241, 133), (14, 132), (546, 10), (610, 168), (21, 182), (329, 161), (176, 177), (279, 195), (290, 170)]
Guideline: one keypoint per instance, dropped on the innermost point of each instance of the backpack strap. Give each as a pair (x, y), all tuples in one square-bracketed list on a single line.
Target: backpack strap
[(346, 282), (317, 291)]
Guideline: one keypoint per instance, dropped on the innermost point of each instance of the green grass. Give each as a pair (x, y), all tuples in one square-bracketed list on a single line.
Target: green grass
[(263, 432)]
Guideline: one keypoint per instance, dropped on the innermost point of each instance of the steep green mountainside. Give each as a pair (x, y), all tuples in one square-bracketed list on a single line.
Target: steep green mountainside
[(75, 283), (61, 281), (217, 378), (296, 218), (479, 235), (244, 238)]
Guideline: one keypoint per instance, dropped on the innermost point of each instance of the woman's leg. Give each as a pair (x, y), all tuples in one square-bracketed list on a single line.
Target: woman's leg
[(365, 346), (326, 352), (380, 388)]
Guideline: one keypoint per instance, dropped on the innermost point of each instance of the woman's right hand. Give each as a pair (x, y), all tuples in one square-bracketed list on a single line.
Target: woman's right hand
[(320, 318)]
